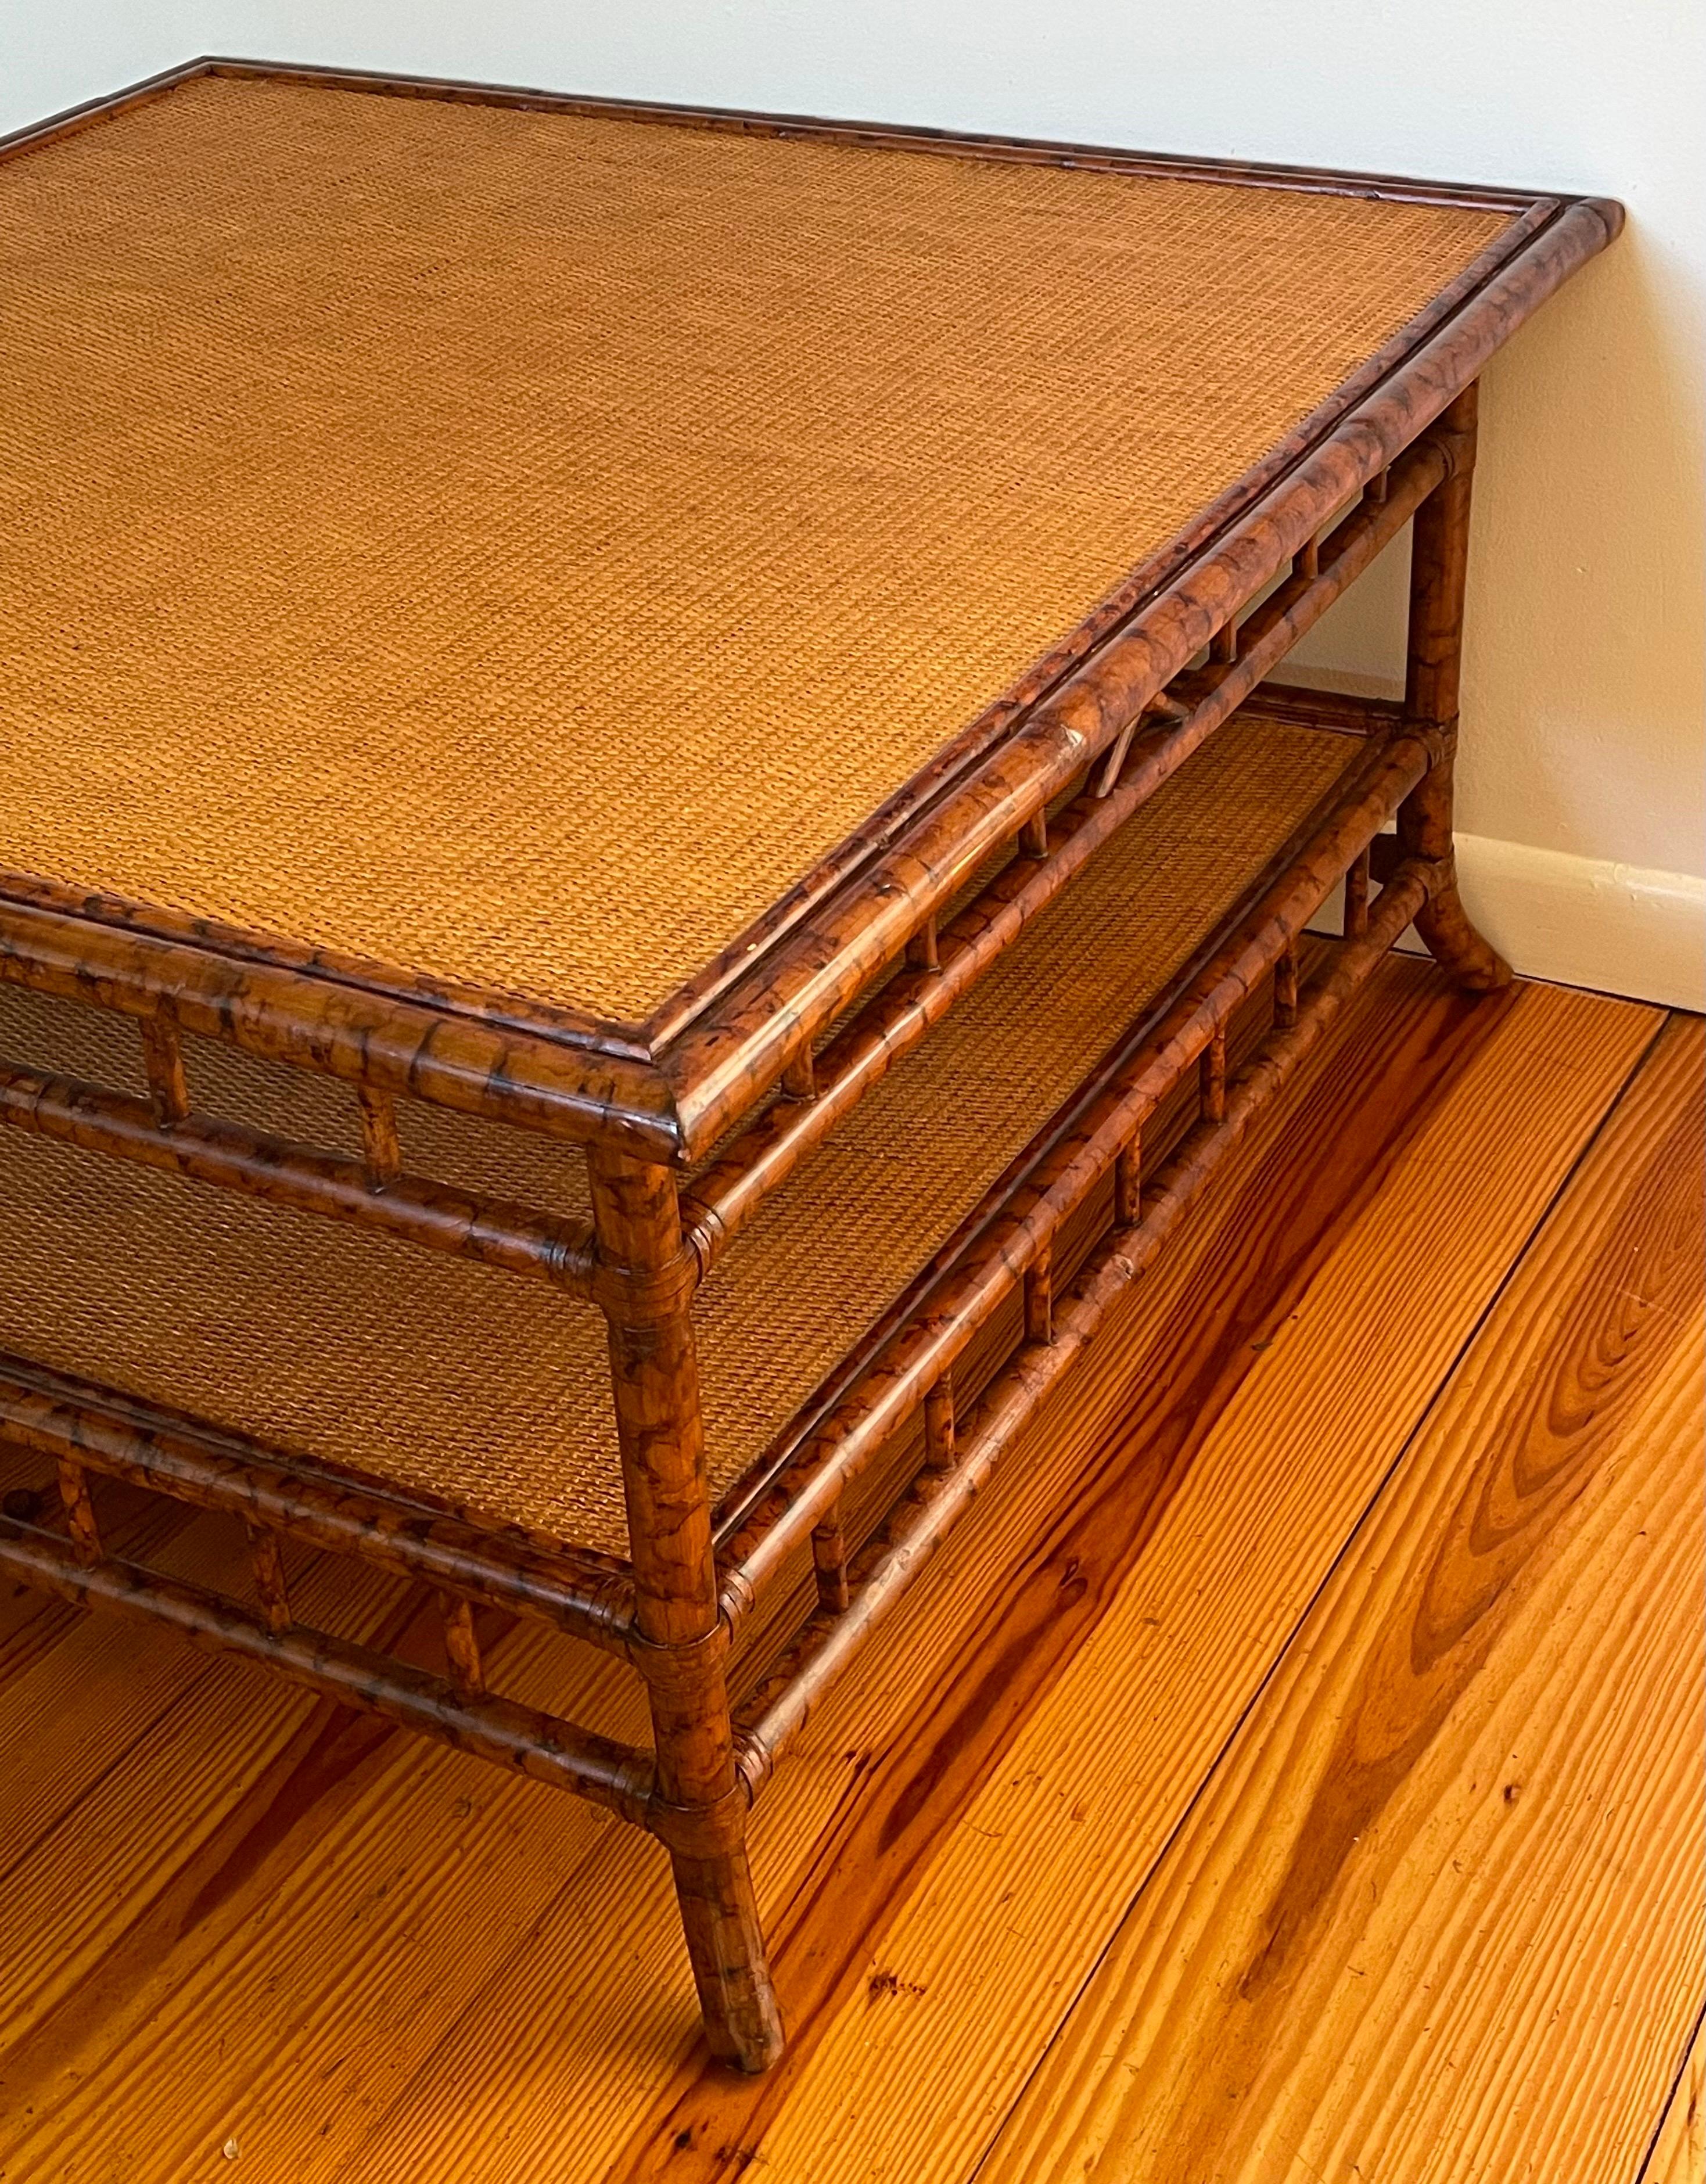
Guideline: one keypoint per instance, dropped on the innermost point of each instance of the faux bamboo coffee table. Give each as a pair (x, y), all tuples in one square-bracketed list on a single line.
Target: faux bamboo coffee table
[(641, 813)]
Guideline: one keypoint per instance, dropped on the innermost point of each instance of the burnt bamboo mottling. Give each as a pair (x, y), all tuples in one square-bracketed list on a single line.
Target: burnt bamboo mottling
[(1439, 568), (693, 1119), (680, 1640), (367, 1193), (54, 1416)]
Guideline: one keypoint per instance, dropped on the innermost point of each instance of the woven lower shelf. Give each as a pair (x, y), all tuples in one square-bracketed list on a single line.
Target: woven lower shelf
[(487, 1391)]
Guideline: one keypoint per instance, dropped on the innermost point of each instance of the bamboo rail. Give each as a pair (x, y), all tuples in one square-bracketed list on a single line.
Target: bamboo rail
[(517, 1737), (724, 1199), (999, 1240), (281, 1172), (61, 1418), (881, 1574)]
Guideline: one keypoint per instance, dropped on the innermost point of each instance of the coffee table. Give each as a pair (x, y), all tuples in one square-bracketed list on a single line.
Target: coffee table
[(646, 815)]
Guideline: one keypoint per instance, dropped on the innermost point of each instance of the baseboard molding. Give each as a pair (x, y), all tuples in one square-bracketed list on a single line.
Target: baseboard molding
[(1582, 920)]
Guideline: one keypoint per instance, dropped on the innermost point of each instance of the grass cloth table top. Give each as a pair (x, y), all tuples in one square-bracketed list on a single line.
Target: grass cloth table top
[(511, 548), (493, 1393)]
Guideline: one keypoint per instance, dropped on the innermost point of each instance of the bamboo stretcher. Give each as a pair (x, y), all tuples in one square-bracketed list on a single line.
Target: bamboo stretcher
[(677, 705)]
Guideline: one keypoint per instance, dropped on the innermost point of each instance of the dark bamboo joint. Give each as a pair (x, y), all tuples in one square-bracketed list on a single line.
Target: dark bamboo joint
[(651, 847)]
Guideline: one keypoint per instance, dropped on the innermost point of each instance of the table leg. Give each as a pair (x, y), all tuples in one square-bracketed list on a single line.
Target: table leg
[(1439, 563), (643, 1282)]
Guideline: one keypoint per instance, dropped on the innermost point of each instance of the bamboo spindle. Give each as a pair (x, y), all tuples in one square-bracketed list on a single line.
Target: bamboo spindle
[(1033, 835), (1357, 898), (80, 1512), (830, 1563), (1285, 988), (1223, 648), (924, 952), (1213, 1078), (163, 1066), (266, 1561), (1128, 1185), (381, 1148), (800, 1078), (941, 1437), (1039, 1297), (461, 1645)]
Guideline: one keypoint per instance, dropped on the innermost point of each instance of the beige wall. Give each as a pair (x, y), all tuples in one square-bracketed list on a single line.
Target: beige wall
[(1584, 697)]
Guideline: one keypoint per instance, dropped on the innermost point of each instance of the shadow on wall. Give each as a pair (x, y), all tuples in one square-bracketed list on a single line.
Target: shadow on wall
[(1585, 681)]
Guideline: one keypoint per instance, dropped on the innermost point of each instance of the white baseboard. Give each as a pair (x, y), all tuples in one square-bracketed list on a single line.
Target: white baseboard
[(1582, 920)]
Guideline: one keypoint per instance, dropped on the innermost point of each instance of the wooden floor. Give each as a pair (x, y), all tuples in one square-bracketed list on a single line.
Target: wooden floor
[(1313, 1792)]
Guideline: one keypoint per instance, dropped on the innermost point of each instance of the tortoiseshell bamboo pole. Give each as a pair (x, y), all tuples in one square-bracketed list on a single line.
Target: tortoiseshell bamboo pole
[(365, 1194), (518, 1737), (843, 1443), (57, 1417), (777, 1710), (645, 1281), (1439, 567)]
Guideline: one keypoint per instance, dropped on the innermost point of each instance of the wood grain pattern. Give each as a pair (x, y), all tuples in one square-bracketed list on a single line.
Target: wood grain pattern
[(369, 1958), (1257, 1430), (1440, 1912)]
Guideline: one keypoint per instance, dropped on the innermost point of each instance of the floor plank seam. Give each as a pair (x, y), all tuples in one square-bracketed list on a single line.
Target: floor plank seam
[(1364, 1516), (1644, 2173)]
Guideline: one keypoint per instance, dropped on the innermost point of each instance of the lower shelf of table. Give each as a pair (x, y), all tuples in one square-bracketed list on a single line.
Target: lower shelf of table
[(466, 1383)]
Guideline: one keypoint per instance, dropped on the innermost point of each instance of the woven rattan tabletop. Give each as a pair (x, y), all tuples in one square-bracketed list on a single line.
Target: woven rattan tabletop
[(512, 547)]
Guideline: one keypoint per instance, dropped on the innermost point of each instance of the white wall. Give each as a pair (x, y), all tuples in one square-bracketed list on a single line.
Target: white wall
[(56, 54), (1584, 700)]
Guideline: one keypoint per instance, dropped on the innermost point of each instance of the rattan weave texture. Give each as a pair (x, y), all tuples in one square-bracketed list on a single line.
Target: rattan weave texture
[(488, 1391), (511, 547)]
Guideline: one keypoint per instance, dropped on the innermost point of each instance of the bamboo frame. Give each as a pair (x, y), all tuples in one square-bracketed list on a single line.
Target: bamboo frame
[(763, 1053)]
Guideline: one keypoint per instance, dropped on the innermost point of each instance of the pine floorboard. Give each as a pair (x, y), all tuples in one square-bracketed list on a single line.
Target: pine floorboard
[(1440, 1912), (235, 1916), (1677, 2154)]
